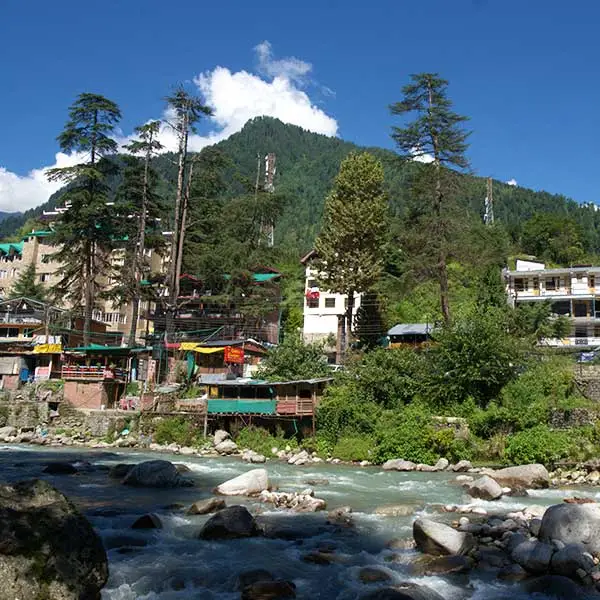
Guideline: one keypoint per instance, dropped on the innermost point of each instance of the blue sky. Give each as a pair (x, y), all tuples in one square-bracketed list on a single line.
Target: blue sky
[(524, 71)]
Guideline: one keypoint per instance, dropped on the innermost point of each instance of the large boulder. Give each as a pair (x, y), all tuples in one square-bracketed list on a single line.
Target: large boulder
[(60, 468), (398, 464), (119, 470), (441, 464), (567, 560), (253, 457), (277, 589), (533, 556), (572, 524), (47, 548), (485, 488), (524, 476), (220, 436), (403, 591), (148, 521), (299, 459), (205, 507), (461, 466), (250, 483), (155, 473), (226, 447), (7, 432), (557, 587), (230, 523), (439, 539)]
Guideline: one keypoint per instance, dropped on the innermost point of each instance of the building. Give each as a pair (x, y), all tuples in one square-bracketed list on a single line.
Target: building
[(323, 310), (409, 334), (571, 291)]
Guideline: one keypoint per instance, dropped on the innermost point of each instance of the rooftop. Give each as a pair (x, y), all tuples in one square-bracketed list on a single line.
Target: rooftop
[(411, 329)]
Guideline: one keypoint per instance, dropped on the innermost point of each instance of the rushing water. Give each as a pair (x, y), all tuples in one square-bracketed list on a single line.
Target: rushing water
[(172, 564)]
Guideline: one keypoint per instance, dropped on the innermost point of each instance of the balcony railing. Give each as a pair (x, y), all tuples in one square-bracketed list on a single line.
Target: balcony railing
[(85, 373)]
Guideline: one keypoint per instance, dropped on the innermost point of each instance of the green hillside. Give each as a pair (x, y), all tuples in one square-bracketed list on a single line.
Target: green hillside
[(308, 162)]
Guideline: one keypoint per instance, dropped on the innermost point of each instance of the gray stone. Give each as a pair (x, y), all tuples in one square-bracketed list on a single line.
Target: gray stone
[(250, 483), (571, 558), (119, 471), (226, 447), (399, 464), (205, 507), (403, 591), (278, 589), (395, 510), (155, 473), (462, 466), (60, 468), (533, 556), (441, 464), (299, 459), (535, 526), (572, 524), (253, 457), (524, 476), (220, 436), (149, 521), (249, 577), (441, 565), (438, 538), (513, 572), (48, 550), (425, 468), (373, 575), (485, 488), (7, 431), (557, 587), (230, 523)]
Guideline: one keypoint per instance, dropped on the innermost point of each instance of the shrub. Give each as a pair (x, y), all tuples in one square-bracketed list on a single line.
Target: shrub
[(177, 430), (261, 441), (405, 434), (133, 388), (446, 444), (319, 444), (354, 448), (537, 445)]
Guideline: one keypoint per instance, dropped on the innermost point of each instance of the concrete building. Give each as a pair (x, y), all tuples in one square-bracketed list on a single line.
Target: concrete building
[(323, 310), (572, 292)]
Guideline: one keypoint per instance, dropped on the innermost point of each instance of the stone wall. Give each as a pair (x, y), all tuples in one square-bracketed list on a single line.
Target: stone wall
[(587, 378), (572, 417)]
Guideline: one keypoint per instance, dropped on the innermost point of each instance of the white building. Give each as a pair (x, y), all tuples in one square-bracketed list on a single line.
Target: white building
[(323, 309), (572, 292)]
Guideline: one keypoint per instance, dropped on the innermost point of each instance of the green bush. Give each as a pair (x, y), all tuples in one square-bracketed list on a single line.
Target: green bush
[(446, 444), (261, 441), (133, 388), (537, 445), (406, 434), (177, 430), (319, 444), (354, 448)]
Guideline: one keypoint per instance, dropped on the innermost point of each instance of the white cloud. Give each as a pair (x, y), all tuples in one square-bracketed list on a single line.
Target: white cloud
[(278, 90), (512, 182), (419, 156)]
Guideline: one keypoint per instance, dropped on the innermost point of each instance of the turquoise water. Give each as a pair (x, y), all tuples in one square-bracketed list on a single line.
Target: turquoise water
[(172, 564)]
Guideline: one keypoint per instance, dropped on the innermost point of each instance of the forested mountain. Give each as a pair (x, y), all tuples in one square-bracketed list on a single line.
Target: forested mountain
[(306, 166)]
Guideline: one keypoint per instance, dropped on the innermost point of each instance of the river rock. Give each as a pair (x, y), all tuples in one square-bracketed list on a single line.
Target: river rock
[(439, 539), (120, 470), (425, 468), (220, 436), (513, 572), (250, 483), (60, 468), (7, 431), (155, 473), (567, 560), (205, 507), (403, 591), (298, 502), (373, 575), (525, 476), (226, 447), (254, 576), (278, 589), (149, 521), (441, 464), (395, 510), (441, 565), (299, 459), (557, 587), (462, 466), (485, 488), (48, 549), (534, 556), (230, 523), (253, 457), (398, 464), (572, 524)]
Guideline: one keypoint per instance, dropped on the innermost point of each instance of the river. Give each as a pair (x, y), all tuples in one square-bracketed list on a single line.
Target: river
[(172, 564)]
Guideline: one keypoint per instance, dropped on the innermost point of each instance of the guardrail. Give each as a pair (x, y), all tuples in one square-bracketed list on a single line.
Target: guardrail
[(89, 373)]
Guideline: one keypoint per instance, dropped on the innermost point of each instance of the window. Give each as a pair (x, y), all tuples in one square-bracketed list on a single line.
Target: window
[(592, 281), (311, 283), (312, 302), (329, 302), (579, 276), (552, 283), (45, 277), (519, 284)]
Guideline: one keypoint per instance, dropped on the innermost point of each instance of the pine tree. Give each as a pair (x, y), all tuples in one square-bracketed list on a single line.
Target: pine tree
[(140, 200), (187, 111), (27, 286), (437, 139), (350, 246), (369, 327), (85, 231)]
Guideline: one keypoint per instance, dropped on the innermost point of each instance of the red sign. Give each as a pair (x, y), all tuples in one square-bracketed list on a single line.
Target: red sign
[(234, 354)]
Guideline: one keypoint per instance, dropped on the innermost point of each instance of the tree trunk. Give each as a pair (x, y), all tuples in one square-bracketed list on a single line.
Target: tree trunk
[(88, 294), (349, 322), (184, 216)]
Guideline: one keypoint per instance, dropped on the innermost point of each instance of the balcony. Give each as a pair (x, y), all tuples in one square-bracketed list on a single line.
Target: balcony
[(85, 373)]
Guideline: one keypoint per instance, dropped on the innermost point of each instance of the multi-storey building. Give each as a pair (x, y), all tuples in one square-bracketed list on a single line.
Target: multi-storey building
[(323, 309), (571, 291)]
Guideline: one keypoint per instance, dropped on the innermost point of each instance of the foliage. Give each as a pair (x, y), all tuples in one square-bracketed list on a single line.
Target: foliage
[(445, 443), (407, 434), (537, 445), (553, 237), (177, 430), (354, 448), (369, 325), (27, 285), (261, 441), (293, 359), (133, 388)]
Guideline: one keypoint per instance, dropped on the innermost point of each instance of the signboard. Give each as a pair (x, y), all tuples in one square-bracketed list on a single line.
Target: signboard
[(234, 354), (47, 349)]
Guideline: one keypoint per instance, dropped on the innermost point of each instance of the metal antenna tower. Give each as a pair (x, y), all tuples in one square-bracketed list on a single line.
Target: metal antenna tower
[(488, 215), (270, 170)]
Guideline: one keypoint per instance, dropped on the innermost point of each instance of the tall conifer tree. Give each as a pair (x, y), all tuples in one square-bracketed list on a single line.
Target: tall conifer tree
[(85, 231)]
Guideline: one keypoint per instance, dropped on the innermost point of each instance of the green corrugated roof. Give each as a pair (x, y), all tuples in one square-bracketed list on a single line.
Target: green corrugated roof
[(260, 277), (41, 233), (15, 246)]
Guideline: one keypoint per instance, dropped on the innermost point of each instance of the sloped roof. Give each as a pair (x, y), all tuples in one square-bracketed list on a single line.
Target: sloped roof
[(411, 329)]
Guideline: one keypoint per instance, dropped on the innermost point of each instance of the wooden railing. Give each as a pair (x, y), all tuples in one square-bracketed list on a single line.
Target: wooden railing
[(295, 406), (85, 373)]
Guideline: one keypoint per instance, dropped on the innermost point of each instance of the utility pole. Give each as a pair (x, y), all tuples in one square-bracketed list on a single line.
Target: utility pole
[(270, 169), (488, 215)]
